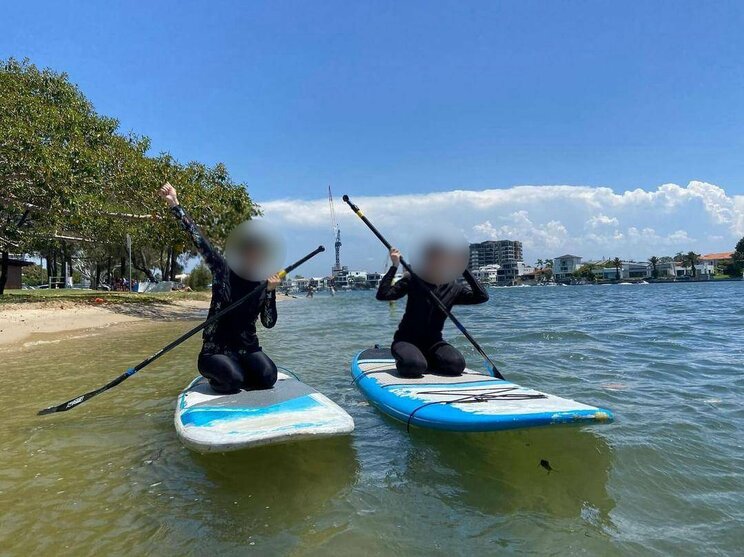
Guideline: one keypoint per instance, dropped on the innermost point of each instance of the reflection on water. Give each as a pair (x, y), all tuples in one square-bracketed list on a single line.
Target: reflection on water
[(666, 478), (501, 474)]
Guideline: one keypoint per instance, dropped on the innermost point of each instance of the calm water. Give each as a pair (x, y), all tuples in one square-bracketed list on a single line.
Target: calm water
[(666, 478)]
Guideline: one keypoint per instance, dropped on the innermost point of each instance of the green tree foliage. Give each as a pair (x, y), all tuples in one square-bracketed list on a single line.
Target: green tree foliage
[(691, 259), (72, 185), (34, 275), (200, 277), (586, 272), (735, 267), (617, 264), (654, 266)]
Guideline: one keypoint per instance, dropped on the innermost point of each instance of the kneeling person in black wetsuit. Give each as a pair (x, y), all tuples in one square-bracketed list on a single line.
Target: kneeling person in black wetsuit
[(231, 357), (418, 345)]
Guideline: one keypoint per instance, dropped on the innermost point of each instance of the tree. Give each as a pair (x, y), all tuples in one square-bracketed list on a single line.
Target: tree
[(34, 275), (586, 272), (735, 267), (617, 264), (654, 266), (72, 186), (691, 259), (200, 277)]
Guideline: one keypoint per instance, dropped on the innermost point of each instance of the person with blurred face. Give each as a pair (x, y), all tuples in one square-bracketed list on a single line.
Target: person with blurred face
[(231, 357), (418, 345)]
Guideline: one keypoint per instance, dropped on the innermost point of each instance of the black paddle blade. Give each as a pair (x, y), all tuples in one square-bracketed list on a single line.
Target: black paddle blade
[(62, 407), (70, 404)]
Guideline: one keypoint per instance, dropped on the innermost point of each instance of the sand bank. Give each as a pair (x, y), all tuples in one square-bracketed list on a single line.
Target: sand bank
[(22, 324)]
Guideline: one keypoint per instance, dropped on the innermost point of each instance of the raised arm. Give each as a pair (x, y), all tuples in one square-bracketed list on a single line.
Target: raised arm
[(268, 307), (212, 257), (472, 292), (387, 290)]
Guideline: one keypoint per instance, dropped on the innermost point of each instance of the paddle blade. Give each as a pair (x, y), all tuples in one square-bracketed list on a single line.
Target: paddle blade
[(70, 404), (62, 407)]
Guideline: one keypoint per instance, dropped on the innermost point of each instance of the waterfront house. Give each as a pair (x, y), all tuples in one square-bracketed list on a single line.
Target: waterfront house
[(565, 266), (717, 260), (488, 274), (627, 270)]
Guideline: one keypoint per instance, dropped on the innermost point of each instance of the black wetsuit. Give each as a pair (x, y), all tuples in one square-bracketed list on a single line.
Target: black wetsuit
[(231, 357), (418, 344)]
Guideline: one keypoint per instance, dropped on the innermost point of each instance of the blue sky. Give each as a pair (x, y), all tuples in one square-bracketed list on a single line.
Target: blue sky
[(390, 98)]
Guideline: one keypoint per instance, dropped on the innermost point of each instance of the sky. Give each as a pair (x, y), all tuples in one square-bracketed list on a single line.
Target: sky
[(597, 128)]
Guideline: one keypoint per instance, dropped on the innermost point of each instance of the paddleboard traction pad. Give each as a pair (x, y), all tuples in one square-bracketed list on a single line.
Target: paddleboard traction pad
[(469, 402)]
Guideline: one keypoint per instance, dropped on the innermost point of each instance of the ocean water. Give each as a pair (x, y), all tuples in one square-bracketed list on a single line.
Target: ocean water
[(110, 477)]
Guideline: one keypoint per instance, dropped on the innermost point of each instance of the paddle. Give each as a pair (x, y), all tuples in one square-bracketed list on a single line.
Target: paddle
[(131, 371), (494, 370)]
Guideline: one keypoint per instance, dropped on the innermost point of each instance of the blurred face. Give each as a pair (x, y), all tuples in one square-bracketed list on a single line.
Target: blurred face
[(254, 250), (442, 264)]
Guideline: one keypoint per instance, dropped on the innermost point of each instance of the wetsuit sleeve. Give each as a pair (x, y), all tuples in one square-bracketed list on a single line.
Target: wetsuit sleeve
[(268, 310), (472, 292), (212, 257), (389, 291)]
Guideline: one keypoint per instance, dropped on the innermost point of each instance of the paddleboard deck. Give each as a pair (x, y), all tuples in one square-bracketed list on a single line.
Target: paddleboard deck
[(469, 402), (207, 421)]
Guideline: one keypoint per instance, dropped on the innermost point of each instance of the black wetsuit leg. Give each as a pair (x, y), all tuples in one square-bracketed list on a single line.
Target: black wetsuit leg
[(445, 359), (224, 372), (259, 371), (409, 360)]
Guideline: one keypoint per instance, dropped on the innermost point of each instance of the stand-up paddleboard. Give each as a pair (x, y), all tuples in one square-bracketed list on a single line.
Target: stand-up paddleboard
[(469, 402), (210, 422)]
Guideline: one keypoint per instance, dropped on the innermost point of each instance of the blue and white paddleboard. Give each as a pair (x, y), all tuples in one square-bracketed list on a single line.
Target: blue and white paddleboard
[(210, 422), (469, 402)]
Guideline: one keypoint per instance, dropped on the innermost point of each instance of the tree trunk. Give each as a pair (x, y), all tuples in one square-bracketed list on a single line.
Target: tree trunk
[(143, 266), (110, 277), (64, 265), (162, 266), (4, 272), (53, 276), (173, 262), (69, 265), (97, 277)]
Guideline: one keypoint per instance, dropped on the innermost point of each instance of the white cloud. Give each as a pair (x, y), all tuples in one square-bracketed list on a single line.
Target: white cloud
[(551, 235), (592, 222), (599, 220)]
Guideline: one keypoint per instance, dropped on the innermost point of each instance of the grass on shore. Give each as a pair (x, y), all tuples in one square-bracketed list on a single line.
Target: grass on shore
[(89, 296)]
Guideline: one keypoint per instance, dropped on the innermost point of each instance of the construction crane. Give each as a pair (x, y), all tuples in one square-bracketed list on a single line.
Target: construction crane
[(337, 233)]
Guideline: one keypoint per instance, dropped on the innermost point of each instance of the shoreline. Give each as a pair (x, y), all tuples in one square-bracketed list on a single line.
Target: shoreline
[(27, 323)]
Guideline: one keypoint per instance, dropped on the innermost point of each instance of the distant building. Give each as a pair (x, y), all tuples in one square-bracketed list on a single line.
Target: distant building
[(716, 259), (565, 266), (341, 278), (507, 254), (373, 279), (14, 280), (494, 252), (627, 270), (488, 274)]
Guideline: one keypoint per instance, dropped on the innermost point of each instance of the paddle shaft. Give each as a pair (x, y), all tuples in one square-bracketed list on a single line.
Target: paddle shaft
[(432, 295), (131, 371)]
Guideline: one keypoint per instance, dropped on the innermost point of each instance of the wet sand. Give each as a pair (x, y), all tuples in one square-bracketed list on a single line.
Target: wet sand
[(24, 324)]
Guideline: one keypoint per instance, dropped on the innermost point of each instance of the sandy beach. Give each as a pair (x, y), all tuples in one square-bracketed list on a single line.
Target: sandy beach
[(25, 324)]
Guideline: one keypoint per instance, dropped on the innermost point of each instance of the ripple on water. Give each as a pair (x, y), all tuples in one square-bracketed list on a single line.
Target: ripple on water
[(111, 478)]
